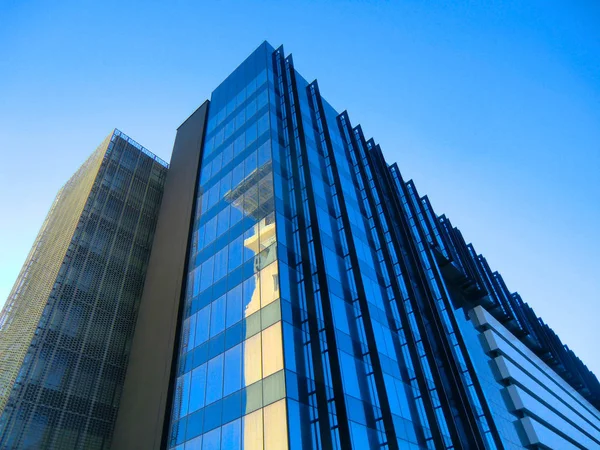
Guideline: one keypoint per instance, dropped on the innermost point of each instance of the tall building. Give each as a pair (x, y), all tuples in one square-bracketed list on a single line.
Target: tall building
[(323, 304), (300, 294), (66, 328)]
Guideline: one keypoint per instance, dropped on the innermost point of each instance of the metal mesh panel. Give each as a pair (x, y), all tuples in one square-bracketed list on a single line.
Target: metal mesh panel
[(67, 393), (24, 306)]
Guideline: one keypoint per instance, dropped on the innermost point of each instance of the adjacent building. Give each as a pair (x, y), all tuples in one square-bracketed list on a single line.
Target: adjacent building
[(66, 328), (300, 294)]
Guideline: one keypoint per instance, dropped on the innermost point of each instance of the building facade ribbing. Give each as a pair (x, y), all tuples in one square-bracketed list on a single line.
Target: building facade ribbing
[(327, 306)]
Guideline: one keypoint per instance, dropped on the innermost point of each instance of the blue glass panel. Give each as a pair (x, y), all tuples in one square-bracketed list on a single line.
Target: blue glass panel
[(360, 438), (234, 306), (217, 316), (227, 157), (232, 406), (248, 291), (216, 345), (223, 223), (194, 425), (212, 416), (212, 440), (264, 153), (248, 252), (251, 160), (356, 410), (349, 375), (214, 382), (250, 109), (237, 174), (180, 432), (235, 252), (185, 394), (194, 444), (251, 133), (262, 99), (200, 355), (235, 335), (233, 370), (232, 435), (198, 388), (206, 278), (240, 119), (202, 325), (339, 313)]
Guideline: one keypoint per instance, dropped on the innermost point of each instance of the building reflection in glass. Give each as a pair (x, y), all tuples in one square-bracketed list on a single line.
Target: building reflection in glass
[(262, 352)]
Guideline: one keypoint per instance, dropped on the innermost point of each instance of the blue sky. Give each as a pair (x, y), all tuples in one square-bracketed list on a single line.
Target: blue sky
[(493, 108)]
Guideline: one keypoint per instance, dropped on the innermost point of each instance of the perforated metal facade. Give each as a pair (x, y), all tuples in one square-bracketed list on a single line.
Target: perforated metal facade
[(67, 326)]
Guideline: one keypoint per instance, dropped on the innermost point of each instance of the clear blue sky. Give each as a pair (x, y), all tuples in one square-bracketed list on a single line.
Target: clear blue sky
[(493, 108)]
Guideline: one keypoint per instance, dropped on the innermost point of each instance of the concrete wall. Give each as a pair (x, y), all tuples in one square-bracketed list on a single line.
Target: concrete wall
[(145, 399)]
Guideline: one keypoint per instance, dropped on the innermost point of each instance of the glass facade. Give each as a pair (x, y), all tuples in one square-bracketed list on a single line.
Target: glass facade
[(325, 302), (73, 310), (230, 385)]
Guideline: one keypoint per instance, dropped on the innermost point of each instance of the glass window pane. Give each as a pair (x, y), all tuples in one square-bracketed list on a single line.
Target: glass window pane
[(194, 428), (264, 153), (250, 109), (275, 426), (225, 184), (251, 298), (252, 360), (217, 316), (235, 252), (253, 431), (206, 278), (195, 281), (198, 388), (269, 283), (210, 231), (250, 161), (227, 156), (232, 407), (212, 440), (202, 325), (214, 382), (194, 444), (272, 350), (233, 370), (229, 128), (240, 119), (192, 333), (234, 306), (263, 124), (239, 144), (213, 195), (237, 175), (216, 163), (185, 395), (223, 221), (273, 388), (231, 437), (221, 259), (250, 243), (262, 99)]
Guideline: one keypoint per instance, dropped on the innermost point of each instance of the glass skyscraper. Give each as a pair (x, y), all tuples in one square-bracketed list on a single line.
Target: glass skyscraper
[(66, 328), (300, 294), (326, 305)]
